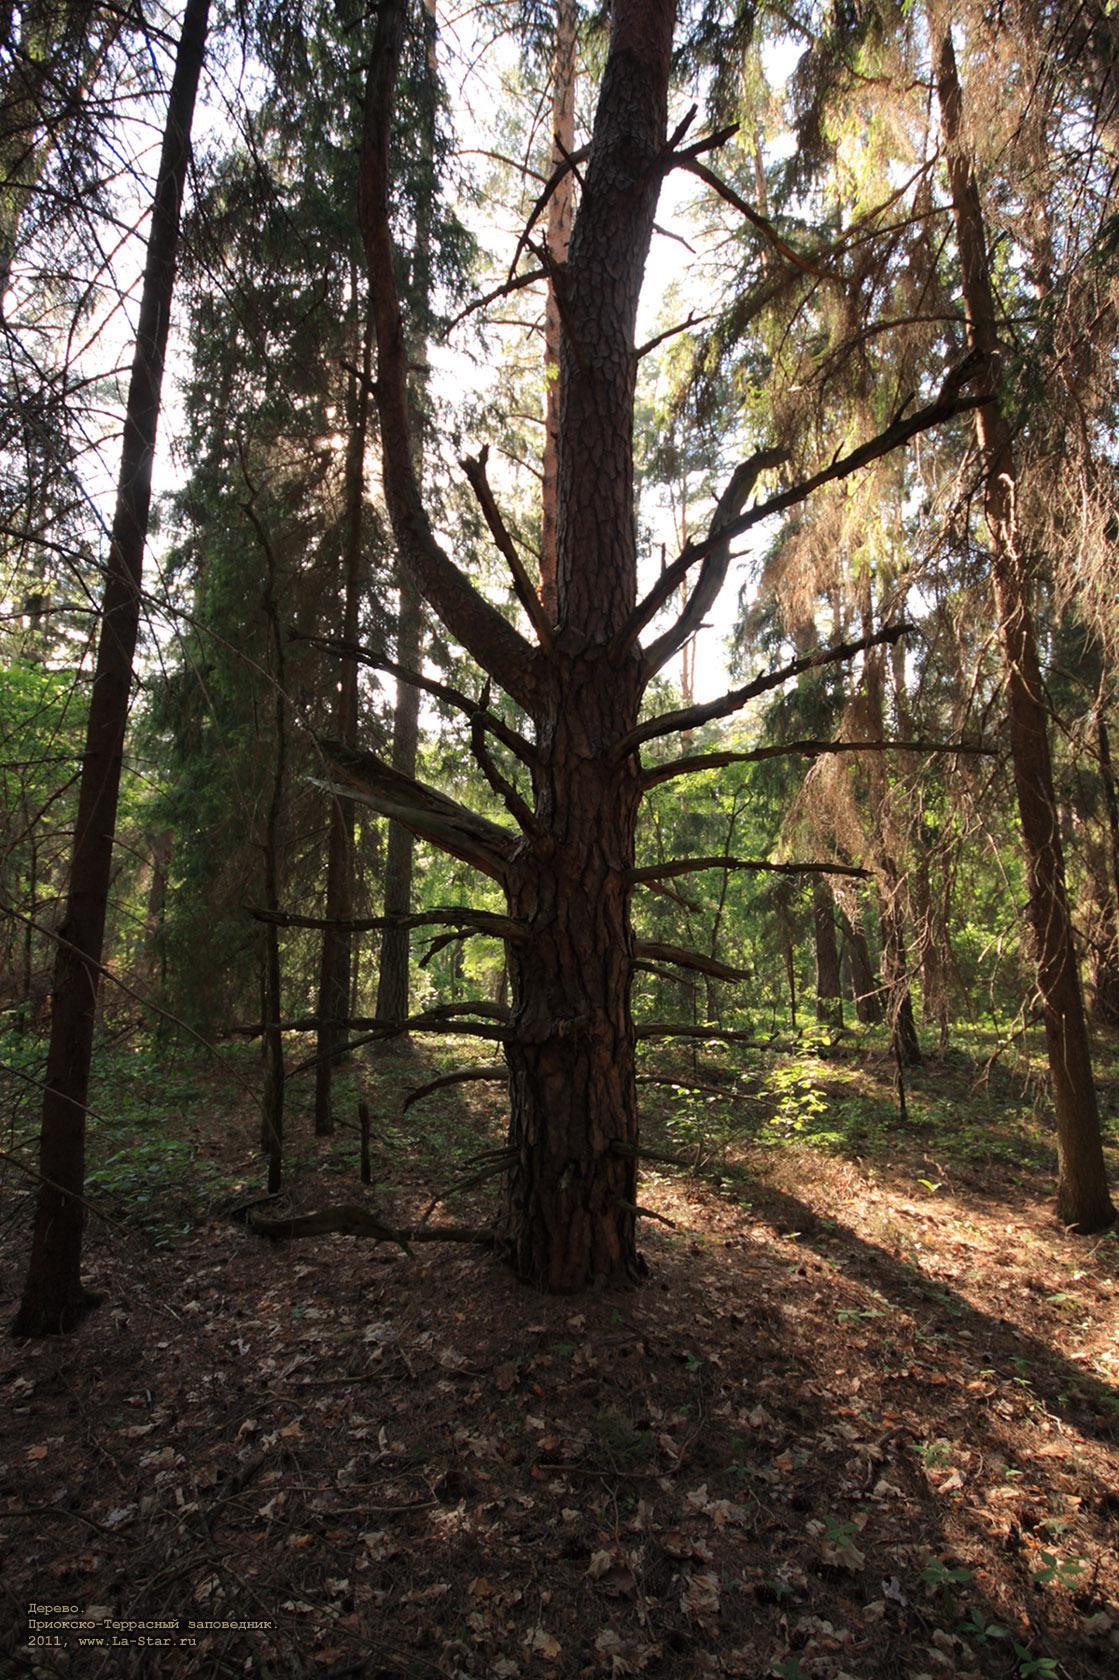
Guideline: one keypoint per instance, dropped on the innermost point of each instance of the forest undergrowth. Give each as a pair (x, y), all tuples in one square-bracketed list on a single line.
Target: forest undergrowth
[(861, 1419)]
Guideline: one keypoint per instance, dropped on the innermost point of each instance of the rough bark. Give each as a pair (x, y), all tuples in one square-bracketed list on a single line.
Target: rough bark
[(864, 987), (54, 1298), (1082, 1195)]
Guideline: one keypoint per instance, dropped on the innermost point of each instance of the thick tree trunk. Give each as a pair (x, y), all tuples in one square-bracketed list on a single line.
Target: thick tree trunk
[(54, 1298), (1082, 1196), (335, 960), (829, 989), (561, 211), (571, 1052)]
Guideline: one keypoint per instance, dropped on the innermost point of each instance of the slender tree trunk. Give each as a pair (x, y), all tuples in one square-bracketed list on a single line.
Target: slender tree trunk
[(334, 966), (272, 1102), (864, 986), (561, 212), (54, 1298), (393, 970), (829, 989), (1082, 1195), (1107, 960)]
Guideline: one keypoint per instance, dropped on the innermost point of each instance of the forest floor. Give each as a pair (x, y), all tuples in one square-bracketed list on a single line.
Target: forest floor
[(861, 1420)]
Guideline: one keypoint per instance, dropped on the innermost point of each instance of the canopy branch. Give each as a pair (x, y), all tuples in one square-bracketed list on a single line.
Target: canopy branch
[(474, 466), (946, 406), (656, 951), (567, 165), (654, 873), (428, 813), (697, 762), (447, 915), (497, 646), (490, 1071), (690, 717)]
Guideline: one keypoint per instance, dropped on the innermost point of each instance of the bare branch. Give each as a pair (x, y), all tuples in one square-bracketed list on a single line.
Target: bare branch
[(947, 405), (516, 283), (447, 915), (788, 253), (690, 717), (517, 807), (350, 1220), (713, 572), (422, 809), (657, 951), (568, 164), (690, 766), (478, 625), (491, 1071), (651, 344), (475, 469), (653, 874), (428, 685)]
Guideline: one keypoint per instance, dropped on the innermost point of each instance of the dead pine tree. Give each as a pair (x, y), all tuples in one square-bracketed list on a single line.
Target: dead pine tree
[(54, 1298), (573, 785)]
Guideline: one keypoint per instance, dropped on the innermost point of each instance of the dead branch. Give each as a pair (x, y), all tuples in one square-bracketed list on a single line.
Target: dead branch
[(654, 886), (448, 915), (640, 1212), (946, 406), (489, 1071), (652, 344), (415, 679), (493, 1169), (474, 466), (657, 951), (569, 164), (428, 813), (690, 717), (652, 874), (349, 1220), (691, 765), (518, 808), (788, 253), (713, 572)]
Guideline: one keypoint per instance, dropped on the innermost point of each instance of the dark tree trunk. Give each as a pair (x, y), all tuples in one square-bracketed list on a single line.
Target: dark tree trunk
[(1107, 956), (864, 986), (54, 1298), (1082, 1195), (337, 941), (829, 988)]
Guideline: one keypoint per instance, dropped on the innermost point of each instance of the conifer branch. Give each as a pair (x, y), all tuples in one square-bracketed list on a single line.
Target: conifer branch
[(494, 1072), (449, 915)]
